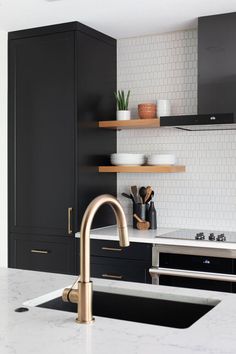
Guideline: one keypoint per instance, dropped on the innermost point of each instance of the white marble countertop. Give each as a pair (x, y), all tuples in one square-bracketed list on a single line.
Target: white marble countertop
[(165, 236), (111, 233), (43, 331)]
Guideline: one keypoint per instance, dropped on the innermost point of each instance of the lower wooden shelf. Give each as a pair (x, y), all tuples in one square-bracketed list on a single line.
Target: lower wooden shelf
[(142, 169)]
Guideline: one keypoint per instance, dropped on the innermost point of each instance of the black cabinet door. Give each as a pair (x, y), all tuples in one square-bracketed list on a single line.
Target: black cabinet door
[(112, 249), (120, 269), (42, 253), (41, 133), (216, 64)]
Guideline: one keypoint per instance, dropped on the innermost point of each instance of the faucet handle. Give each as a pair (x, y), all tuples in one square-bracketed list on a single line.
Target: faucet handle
[(70, 295)]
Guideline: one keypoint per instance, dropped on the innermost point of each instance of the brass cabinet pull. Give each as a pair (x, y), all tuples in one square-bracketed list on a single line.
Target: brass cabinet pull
[(112, 276), (39, 251), (69, 221), (112, 249)]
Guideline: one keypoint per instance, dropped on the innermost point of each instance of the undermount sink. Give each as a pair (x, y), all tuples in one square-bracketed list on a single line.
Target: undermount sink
[(160, 312)]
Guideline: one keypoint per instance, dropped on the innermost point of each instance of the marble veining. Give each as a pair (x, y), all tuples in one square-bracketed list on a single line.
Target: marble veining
[(43, 331)]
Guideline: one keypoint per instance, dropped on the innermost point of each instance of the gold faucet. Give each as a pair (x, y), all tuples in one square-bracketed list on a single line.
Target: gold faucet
[(83, 295)]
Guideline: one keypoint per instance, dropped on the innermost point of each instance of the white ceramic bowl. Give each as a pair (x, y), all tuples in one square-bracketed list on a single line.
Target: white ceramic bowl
[(162, 159), (127, 159)]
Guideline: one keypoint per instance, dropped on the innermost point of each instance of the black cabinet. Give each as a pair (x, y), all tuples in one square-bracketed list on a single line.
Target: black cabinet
[(120, 269), (41, 127), (43, 253), (110, 261), (136, 251), (61, 82), (216, 64)]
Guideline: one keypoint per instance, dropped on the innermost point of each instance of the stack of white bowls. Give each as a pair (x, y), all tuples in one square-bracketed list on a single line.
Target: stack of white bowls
[(127, 159), (161, 159)]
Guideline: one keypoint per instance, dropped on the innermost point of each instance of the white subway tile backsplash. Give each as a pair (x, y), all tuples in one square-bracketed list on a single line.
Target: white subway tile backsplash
[(165, 67)]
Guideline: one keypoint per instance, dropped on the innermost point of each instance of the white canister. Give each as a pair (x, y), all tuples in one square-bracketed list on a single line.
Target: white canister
[(163, 108), (123, 115)]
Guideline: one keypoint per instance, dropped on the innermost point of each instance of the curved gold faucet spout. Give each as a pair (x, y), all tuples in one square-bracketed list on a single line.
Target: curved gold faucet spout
[(85, 285)]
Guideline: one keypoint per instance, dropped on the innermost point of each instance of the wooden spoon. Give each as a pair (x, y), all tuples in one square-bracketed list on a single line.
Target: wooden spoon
[(134, 193), (142, 193), (142, 224), (148, 193), (150, 198)]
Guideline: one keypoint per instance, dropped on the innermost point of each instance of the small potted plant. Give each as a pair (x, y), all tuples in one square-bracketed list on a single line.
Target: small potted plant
[(122, 101)]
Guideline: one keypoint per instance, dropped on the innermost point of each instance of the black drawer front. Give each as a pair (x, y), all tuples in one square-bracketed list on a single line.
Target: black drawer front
[(138, 251), (119, 269), (196, 283), (43, 253), (197, 263)]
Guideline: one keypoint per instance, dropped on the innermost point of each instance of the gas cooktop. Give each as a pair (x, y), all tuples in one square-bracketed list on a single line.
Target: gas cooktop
[(202, 235)]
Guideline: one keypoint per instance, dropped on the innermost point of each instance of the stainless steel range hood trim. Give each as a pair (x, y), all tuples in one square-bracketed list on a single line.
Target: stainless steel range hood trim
[(200, 122)]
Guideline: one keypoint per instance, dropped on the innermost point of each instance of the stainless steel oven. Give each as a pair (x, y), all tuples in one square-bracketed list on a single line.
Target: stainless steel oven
[(194, 267)]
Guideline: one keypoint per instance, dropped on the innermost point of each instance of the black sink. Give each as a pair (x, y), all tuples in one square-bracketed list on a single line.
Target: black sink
[(166, 313)]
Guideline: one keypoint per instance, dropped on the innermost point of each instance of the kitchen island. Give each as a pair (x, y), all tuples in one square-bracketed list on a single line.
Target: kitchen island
[(44, 331)]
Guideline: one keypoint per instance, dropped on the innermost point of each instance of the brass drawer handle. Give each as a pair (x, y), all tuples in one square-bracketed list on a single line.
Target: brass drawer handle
[(39, 251), (111, 249), (112, 276), (69, 228)]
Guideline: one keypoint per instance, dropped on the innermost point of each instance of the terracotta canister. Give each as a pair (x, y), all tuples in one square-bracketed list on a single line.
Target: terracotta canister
[(147, 110)]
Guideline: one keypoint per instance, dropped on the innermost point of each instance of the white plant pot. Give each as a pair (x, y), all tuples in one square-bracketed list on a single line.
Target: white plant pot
[(123, 115)]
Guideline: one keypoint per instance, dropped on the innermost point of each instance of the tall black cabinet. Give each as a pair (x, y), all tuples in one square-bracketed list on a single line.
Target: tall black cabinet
[(61, 82)]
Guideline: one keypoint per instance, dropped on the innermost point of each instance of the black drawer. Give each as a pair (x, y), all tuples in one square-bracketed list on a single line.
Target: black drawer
[(42, 253), (137, 251), (120, 269)]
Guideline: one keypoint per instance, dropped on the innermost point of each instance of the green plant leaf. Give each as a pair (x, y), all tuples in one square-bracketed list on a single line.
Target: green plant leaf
[(127, 101), (117, 101), (120, 100), (123, 100)]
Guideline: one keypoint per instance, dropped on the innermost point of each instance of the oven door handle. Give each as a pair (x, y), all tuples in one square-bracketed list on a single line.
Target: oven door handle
[(154, 272)]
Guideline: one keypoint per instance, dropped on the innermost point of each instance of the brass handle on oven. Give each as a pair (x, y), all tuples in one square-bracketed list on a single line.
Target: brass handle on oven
[(112, 276), (39, 251), (112, 249), (69, 221)]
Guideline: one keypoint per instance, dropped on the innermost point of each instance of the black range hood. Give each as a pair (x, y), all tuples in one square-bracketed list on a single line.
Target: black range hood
[(216, 77), (199, 122)]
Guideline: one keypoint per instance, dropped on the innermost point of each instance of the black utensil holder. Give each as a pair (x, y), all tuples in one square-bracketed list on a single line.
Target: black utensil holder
[(141, 210)]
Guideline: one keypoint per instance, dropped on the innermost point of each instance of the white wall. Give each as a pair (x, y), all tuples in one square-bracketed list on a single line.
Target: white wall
[(165, 66), (3, 149)]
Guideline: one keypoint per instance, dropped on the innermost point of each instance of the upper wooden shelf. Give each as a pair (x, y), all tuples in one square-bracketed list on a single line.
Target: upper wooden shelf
[(143, 169), (130, 124)]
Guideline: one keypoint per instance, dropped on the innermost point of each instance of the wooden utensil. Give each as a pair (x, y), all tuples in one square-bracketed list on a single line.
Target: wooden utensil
[(150, 198), (134, 193), (148, 193), (141, 224), (142, 193), (128, 196)]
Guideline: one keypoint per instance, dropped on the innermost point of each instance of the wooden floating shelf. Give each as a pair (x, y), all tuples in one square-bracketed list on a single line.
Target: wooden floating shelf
[(130, 124), (142, 169)]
